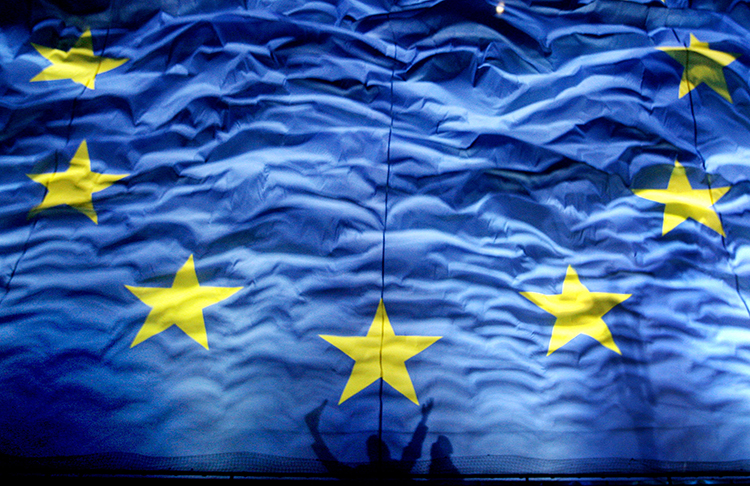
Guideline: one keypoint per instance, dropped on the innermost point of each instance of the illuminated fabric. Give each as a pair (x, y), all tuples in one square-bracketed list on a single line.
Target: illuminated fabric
[(207, 208)]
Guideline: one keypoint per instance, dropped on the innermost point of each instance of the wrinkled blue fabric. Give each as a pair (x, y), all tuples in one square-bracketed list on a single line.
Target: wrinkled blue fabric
[(323, 155)]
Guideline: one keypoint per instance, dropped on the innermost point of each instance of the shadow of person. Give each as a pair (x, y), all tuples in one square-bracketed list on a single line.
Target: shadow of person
[(441, 465), (380, 462)]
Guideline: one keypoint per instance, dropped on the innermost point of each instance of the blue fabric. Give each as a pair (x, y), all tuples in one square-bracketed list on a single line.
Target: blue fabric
[(325, 155)]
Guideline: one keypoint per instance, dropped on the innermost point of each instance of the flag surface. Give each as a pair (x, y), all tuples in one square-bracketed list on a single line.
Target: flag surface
[(276, 236)]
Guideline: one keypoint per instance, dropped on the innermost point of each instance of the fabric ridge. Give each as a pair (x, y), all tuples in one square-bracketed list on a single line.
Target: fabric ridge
[(418, 237)]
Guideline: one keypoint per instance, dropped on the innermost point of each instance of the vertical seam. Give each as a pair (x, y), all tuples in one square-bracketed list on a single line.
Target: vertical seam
[(56, 166), (385, 225), (708, 179)]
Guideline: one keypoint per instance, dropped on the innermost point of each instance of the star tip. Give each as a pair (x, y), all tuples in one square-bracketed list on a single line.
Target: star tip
[(85, 39), (326, 338), (202, 340)]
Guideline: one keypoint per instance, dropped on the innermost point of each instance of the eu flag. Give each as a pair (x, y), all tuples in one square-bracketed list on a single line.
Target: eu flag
[(403, 237)]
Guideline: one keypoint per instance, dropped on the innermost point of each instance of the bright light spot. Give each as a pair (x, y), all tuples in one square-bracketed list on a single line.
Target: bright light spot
[(500, 7)]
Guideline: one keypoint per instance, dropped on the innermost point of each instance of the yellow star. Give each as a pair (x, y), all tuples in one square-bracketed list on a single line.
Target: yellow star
[(78, 64), (75, 186), (702, 65), (181, 304), (578, 311), (683, 202), (380, 354)]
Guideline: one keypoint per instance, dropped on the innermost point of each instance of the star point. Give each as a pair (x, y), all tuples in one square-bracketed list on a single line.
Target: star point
[(578, 311), (380, 354), (180, 305), (681, 201), (79, 64), (701, 65), (75, 186)]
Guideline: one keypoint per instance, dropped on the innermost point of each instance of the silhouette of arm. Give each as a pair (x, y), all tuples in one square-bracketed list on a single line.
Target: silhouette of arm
[(413, 449), (321, 450)]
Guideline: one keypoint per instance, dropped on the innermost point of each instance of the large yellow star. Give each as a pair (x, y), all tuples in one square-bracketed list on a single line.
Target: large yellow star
[(701, 65), (79, 64), (578, 311), (380, 354), (75, 186), (683, 202), (181, 305)]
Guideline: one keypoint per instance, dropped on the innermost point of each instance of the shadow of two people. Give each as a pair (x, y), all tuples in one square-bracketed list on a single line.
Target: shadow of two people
[(381, 464)]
